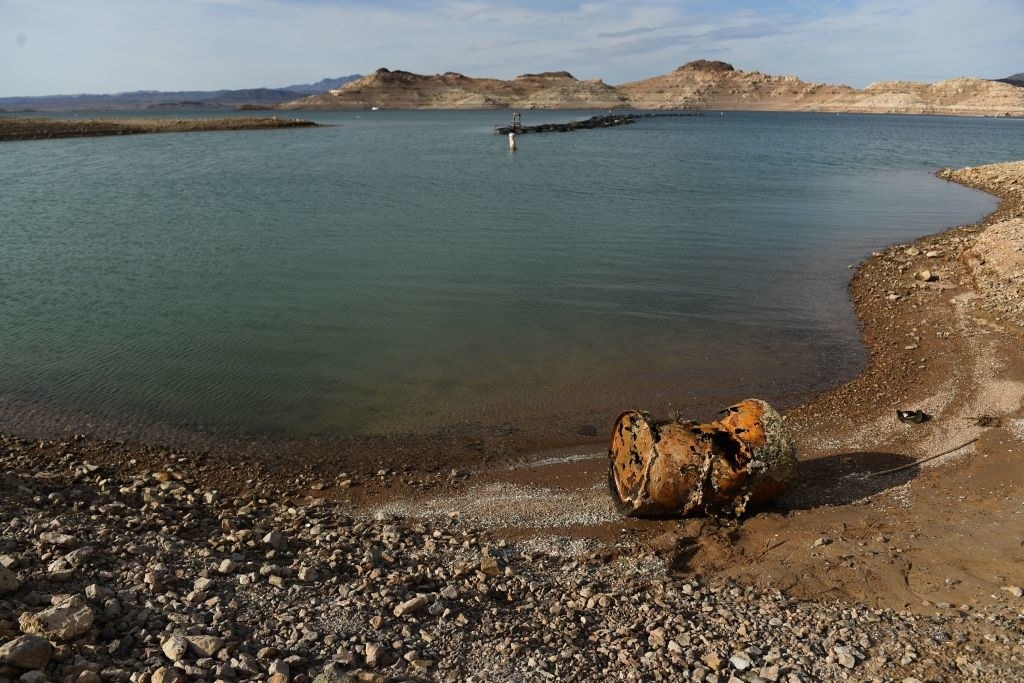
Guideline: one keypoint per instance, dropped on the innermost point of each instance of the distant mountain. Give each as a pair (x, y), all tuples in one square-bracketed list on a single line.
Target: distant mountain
[(184, 99), (1015, 79), (323, 85)]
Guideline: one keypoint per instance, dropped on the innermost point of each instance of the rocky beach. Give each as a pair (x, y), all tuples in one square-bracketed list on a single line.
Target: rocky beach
[(899, 555)]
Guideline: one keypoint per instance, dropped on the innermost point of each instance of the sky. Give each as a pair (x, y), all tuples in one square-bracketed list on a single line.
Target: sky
[(108, 46)]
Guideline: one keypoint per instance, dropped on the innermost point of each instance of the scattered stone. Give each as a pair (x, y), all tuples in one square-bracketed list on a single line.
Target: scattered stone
[(433, 598), (410, 606)]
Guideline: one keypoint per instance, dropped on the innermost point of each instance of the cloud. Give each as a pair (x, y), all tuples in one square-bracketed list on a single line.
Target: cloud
[(117, 45)]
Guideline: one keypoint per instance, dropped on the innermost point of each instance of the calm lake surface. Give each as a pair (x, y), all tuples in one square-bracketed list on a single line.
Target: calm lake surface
[(403, 271)]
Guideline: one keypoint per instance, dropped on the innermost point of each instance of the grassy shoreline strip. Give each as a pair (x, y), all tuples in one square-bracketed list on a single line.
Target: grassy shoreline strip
[(40, 128)]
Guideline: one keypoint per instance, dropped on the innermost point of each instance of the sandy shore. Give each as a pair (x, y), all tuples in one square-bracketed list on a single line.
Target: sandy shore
[(40, 128), (174, 566)]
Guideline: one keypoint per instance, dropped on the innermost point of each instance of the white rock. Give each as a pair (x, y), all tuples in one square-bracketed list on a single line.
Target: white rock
[(168, 674), (64, 622), (205, 646), (1015, 591), (174, 647), (740, 662), (58, 539), (59, 570), (228, 566), (410, 606)]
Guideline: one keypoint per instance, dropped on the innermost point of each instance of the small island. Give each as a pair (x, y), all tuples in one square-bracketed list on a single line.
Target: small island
[(40, 128)]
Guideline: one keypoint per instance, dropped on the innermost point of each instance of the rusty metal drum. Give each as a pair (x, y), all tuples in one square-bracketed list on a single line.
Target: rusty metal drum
[(674, 467)]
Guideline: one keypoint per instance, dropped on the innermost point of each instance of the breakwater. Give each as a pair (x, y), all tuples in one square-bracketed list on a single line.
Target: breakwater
[(608, 121)]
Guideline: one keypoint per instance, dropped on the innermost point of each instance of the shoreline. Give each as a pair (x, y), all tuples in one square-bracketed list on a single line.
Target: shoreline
[(42, 128), (310, 574)]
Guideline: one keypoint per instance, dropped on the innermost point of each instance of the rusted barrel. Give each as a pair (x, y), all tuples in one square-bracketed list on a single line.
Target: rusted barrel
[(674, 467)]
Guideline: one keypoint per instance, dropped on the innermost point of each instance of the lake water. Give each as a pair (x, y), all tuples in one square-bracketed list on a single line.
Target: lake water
[(403, 271)]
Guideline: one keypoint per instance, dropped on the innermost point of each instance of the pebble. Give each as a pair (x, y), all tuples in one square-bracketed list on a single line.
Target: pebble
[(161, 598)]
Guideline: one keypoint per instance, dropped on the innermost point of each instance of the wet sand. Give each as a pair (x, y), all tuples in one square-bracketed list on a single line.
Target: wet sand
[(41, 128)]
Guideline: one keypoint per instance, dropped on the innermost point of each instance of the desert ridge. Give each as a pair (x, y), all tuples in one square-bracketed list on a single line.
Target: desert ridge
[(701, 84)]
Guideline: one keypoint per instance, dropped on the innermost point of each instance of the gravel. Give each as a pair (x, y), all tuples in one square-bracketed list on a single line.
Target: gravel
[(148, 577)]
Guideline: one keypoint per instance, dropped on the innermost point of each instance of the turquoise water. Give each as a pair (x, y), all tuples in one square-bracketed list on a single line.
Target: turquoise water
[(404, 271)]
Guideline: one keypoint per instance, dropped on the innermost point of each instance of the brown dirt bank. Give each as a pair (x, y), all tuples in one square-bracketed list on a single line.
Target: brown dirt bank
[(39, 128)]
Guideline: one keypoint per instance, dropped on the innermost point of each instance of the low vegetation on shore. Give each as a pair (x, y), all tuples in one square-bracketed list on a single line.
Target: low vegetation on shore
[(40, 128)]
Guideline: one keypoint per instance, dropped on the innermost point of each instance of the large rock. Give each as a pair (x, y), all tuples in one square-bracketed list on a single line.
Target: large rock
[(205, 646), (8, 580), (334, 673), (26, 652), (174, 647), (168, 674), (65, 621)]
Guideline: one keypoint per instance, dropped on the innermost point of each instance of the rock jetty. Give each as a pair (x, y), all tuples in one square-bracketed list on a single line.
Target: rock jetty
[(608, 121)]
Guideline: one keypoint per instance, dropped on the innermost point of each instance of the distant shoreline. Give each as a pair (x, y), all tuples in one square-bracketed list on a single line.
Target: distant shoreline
[(41, 128)]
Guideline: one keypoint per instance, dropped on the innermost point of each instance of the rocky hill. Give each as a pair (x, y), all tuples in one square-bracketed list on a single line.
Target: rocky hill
[(404, 90), (700, 84)]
